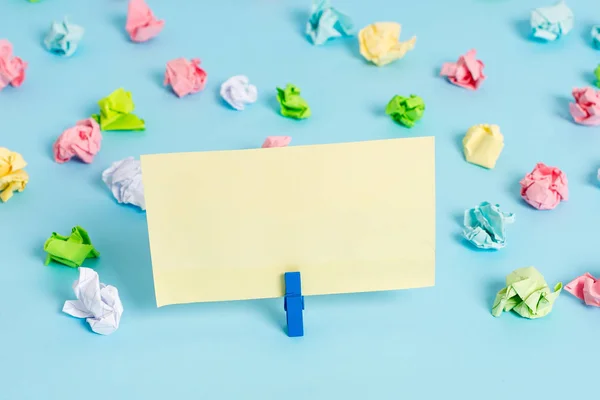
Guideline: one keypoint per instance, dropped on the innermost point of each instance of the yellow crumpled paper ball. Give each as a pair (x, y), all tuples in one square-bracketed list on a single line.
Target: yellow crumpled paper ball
[(12, 175), (380, 44), (483, 144)]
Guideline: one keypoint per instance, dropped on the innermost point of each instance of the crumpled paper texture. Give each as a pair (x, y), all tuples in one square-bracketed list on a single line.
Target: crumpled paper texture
[(380, 43), (292, 105), (276, 141), (595, 34), (124, 179), (406, 110), (141, 23), (545, 187), (12, 175), (100, 304), (586, 109), (63, 38), (485, 226), (586, 288), (527, 294), (81, 141), (327, 23), (70, 250), (185, 76), (116, 113), (483, 144), (467, 72), (237, 92), (552, 22), (12, 69)]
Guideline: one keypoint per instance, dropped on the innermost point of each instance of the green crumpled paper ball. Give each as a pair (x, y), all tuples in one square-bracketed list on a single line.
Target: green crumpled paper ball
[(597, 73), (70, 250), (292, 105), (406, 110)]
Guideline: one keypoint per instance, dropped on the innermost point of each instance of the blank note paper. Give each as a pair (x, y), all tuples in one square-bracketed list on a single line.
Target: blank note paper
[(351, 217)]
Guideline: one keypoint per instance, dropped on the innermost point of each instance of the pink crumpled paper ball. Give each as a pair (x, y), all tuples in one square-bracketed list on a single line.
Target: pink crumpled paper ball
[(141, 23), (185, 77), (586, 109), (12, 69), (276, 141), (467, 72), (586, 288), (82, 140), (544, 187)]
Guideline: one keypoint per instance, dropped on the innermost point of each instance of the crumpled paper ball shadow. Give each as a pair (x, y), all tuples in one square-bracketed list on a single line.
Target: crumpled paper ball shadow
[(380, 43), (527, 294), (292, 105), (327, 23), (13, 178), (485, 226)]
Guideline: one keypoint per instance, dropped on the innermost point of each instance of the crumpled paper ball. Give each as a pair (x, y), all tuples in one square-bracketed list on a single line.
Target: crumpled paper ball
[(292, 105), (545, 187), (12, 69), (98, 303), (552, 22), (406, 110), (141, 23), (380, 43), (276, 141), (586, 288), (483, 144), (485, 226), (124, 179), (185, 77), (237, 92), (326, 23), (81, 141), (595, 34), (12, 175), (63, 38), (527, 294), (467, 72), (586, 109)]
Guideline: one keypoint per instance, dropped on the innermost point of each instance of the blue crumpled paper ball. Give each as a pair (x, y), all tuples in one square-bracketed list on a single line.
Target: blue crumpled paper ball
[(485, 226), (63, 38), (326, 23), (552, 22)]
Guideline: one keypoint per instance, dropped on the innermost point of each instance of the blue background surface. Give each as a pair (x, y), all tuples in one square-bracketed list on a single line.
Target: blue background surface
[(439, 342)]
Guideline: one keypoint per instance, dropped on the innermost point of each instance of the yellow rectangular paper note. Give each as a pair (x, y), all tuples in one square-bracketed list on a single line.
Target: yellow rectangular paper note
[(351, 217)]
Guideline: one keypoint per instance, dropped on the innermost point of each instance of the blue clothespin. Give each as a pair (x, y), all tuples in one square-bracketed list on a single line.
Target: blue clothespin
[(293, 304)]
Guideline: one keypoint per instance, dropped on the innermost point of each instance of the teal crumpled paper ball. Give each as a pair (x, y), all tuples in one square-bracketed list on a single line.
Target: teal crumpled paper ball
[(485, 226)]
